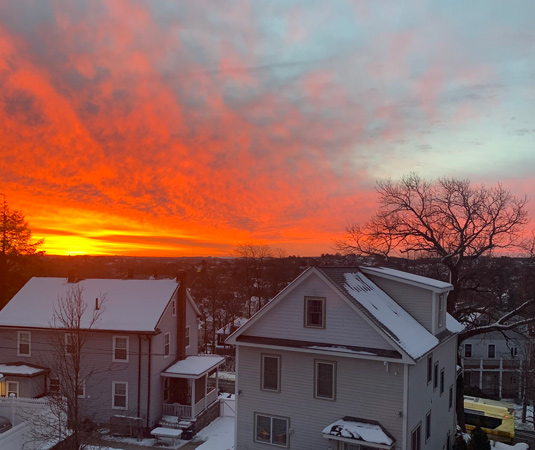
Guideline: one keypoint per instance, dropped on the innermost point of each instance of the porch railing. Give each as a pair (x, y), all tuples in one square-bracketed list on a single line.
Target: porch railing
[(185, 411)]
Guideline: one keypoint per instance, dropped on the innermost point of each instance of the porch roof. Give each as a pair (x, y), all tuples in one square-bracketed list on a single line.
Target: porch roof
[(193, 366), (21, 370), (368, 432)]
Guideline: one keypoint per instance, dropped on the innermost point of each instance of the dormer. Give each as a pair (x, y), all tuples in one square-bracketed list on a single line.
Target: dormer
[(423, 298)]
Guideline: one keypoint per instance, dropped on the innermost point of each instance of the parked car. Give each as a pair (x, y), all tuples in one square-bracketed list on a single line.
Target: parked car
[(5, 424)]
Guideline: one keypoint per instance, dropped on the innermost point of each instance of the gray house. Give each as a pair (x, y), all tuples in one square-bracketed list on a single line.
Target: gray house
[(140, 358), (346, 359)]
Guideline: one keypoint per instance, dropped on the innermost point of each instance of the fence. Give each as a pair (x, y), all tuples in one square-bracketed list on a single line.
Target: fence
[(228, 407)]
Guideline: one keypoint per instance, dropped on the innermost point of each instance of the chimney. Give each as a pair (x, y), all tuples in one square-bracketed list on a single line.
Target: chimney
[(71, 276), (181, 315)]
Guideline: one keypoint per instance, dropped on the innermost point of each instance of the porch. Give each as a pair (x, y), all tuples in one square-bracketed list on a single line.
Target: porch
[(190, 386)]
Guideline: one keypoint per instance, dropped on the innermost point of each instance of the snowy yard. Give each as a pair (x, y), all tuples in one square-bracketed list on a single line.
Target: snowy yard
[(219, 435)]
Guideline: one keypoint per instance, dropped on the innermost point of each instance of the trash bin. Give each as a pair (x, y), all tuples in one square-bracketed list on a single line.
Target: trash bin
[(187, 434)]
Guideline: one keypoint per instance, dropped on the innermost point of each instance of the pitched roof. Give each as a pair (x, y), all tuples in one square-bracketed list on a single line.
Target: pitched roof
[(377, 305), (410, 278), (128, 305)]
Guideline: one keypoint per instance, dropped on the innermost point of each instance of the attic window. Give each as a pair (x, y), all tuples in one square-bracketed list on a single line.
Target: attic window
[(315, 312), (441, 310)]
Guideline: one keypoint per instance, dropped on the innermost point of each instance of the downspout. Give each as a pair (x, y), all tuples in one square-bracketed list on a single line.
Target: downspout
[(139, 375), (149, 381)]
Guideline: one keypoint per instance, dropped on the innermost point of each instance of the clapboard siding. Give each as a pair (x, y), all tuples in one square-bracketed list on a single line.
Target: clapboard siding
[(344, 325), (422, 397), (357, 395), (418, 302), (191, 321)]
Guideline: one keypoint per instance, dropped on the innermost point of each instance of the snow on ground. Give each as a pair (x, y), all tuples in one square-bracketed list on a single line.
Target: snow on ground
[(219, 435), (501, 446)]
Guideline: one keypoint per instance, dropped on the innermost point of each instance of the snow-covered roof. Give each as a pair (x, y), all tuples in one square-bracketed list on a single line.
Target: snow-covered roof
[(20, 370), (127, 305), (193, 366), (408, 278), (452, 324), (360, 430), (376, 304)]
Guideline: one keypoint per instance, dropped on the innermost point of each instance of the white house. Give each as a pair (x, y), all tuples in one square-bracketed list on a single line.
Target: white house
[(346, 359)]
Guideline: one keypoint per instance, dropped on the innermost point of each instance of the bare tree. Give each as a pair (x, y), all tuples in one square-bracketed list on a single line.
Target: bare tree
[(254, 259), (72, 325)]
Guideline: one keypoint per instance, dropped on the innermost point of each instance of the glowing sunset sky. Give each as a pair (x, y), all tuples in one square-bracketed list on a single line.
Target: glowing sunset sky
[(188, 127)]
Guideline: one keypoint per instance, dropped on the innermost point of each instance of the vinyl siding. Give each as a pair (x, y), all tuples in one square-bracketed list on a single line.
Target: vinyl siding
[(191, 321), (356, 395), (423, 398), (343, 325), (418, 302)]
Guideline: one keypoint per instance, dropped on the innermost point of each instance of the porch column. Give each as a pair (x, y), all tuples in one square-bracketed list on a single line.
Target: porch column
[(192, 397)]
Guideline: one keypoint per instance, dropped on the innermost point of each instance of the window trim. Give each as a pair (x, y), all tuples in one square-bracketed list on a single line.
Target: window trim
[(469, 346), (17, 392), (173, 307), (187, 336), (306, 324), (127, 359), (271, 417), (116, 383), (262, 372), (450, 400), (494, 351), (442, 381), (417, 445), (429, 369), (317, 362), (440, 310), (427, 427), (435, 376), (19, 341), (167, 345)]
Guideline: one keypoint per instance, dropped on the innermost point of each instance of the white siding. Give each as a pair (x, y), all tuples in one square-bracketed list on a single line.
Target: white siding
[(366, 389), (422, 397), (343, 325)]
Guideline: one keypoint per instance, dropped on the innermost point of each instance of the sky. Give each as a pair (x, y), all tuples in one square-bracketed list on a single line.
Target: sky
[(182, 128)]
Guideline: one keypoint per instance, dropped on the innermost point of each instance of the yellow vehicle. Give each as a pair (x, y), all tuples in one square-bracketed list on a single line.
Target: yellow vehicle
[(495, 418)]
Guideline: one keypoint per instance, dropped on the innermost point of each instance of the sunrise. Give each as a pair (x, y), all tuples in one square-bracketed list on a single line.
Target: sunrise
[(187, 128)]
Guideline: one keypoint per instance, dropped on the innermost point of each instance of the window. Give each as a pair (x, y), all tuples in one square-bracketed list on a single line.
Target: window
[(492, 351), (70, 344), (448, 441), (271, 373), (416, 438), (325, 376), (166, 344), (467, 350), (119, 395), (81, 389), (441, 381), (12, 388), (187, 336), (53, 385), (120, 348), (271, 430), (450, 403), (514, 351), (173, 307), (435, 377), (24, 343), (427, 426), (429, 368), (440, 310), (314, 312)]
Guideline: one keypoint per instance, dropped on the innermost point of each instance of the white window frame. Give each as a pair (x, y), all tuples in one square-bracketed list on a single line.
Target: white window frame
[(427, 427), (494, 351), (440, 310), (113, 394), (262, 372), (442, 380), (50, 385), (187, 336), (469, 346), (323, 301), (435, 376), (429, 369), (73, 343), (82, 395), (115, 348), (166, 345), (416, 437), (271, 417), (316, 379), (11, 391), (173, 307), (19, 342)]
